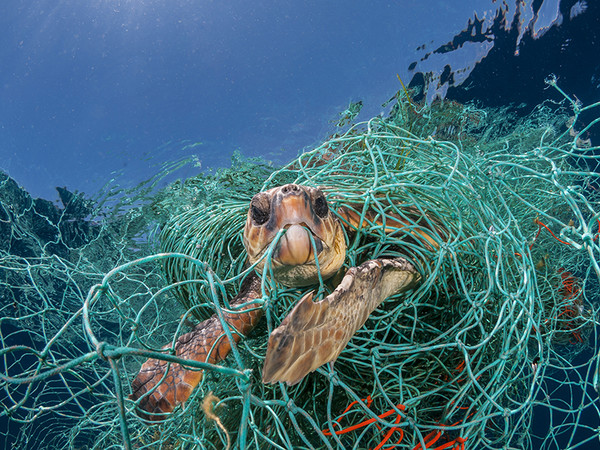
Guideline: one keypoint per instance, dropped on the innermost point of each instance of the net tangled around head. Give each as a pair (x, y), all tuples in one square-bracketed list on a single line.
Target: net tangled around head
[(502, 328)]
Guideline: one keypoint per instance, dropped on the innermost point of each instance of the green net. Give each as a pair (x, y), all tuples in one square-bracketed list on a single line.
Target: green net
[(501, 331)]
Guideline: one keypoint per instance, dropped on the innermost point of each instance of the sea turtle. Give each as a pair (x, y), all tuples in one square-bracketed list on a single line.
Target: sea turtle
[(314, 332)]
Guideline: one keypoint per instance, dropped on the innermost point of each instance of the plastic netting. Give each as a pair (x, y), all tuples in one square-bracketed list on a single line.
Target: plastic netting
[(496, 348)]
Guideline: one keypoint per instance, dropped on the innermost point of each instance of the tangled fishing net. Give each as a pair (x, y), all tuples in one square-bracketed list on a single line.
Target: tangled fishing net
[(496, 348)]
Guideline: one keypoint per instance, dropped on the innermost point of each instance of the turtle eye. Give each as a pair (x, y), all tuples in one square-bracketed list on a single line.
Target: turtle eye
[(320, 206), (260, 209)]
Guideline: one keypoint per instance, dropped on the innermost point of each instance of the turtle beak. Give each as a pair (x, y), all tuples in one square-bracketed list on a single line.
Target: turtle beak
[(295, 247)]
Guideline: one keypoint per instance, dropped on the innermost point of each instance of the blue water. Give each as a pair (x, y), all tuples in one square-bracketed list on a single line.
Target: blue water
[(93, 87), (100, 89)]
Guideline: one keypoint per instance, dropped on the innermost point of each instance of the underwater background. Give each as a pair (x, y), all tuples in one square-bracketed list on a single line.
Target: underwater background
[(107, 107)]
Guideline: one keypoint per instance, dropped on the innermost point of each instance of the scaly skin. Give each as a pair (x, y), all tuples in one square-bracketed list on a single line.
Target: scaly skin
[(302, 211), (207, 342), (315, 333)]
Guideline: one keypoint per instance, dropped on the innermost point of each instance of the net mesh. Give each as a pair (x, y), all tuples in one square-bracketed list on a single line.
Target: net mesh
[(501, 330)]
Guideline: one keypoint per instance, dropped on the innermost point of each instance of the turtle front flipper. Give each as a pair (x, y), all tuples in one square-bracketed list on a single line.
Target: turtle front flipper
[(315, 333), (207, 342)]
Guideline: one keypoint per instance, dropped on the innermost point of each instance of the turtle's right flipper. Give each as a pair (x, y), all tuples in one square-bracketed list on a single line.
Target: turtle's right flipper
[(207, 342), (315, 333)]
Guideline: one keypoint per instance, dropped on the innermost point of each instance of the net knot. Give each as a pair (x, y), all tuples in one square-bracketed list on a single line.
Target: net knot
[(291, 406), (588, 238), (100, 347), (333, 378), (244, 381)]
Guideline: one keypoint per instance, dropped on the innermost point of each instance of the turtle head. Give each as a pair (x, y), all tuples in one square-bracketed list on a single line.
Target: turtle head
[(303, 212)]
